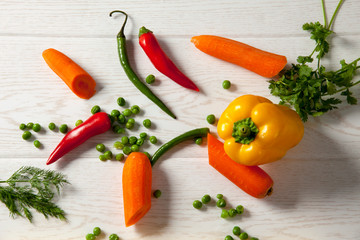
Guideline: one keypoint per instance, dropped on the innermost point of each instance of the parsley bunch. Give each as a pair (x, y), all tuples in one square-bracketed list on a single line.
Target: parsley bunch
[(307, 89)]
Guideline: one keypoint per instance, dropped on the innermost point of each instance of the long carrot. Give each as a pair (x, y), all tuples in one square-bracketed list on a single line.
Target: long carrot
[(136, 181), (251, 179), (76, 78), (261, 62)]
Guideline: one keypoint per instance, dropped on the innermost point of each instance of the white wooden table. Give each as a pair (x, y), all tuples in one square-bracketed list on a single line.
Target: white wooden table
[(316, 191)]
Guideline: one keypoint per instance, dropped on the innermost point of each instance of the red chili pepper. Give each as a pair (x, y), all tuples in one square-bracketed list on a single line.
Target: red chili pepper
[(96, 124), (161, 61)]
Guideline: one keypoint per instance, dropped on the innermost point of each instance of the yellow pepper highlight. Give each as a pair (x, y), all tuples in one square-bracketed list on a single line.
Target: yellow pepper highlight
[(257, 131)]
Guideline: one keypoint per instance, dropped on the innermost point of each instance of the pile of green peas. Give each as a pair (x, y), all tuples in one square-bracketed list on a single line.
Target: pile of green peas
[(27, 128), (97, 231)]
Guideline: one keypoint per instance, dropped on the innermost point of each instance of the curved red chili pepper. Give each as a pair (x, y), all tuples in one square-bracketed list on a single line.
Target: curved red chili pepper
[(161, 61), (96, 124)]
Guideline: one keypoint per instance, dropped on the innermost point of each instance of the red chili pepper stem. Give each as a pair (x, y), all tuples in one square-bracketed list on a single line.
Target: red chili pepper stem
[(96, 124), (161, 61)]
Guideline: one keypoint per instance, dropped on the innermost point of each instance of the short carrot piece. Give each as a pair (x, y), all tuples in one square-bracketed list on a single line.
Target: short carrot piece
[(251, 179), (76, 78), (264, 63), (136, 180)]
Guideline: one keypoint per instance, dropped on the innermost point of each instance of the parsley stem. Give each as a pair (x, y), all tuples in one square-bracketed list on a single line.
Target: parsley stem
[(323, 8), (342, 89), (336, 11)]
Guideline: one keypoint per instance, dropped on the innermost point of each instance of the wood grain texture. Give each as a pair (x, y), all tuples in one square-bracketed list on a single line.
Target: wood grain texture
[(316, 184)]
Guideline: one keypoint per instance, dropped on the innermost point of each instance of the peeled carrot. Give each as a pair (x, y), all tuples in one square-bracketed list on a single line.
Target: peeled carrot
[(261, 62), (136, 181), (76, 78), (251, 179)]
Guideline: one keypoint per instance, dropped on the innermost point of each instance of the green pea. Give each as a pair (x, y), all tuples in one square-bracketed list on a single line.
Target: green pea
[(198, 141), (52, 126), (78, 122), (115, 113), (108, 155), (121, 119), (197, 204), (102, 157), (95, 109), (37, 144), (206, 199), (150, 79), (119, 157), (30, 125), (22, 126), (157, 193), (134, 148), (143, 135), (26, 135), (96, 231), (239, 209), (131, 120), (153, 139), (115, 128), (127, 112), (219, 196), (63, 128), (113, 237), (147, 123), (121, 101), (118, 145), (90, 236), (135, 109), (211, 118), (232, 212), (36, 127), (132, 140), (100, 147), (124, 140), (126, 150), (140, 142), (236, 230), (224, 213), (228, 237), (221, 203), (226, 84), (243, 236), (129, 125)]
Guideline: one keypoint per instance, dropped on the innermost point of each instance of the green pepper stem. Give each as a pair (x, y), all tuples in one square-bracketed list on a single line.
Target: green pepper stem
[(244, 131), (121, 32)]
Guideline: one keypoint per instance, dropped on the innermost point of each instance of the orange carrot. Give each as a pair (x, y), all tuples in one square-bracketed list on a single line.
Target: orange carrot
[(263, 63), (251, 179), (76, 78), (136, 180)]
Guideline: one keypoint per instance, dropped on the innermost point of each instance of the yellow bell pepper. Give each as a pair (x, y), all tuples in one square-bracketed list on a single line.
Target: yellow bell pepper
[(257, 131)]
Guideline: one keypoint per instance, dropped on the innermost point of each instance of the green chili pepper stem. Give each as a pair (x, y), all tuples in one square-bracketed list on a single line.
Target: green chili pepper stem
[(121, 41), (143, 30), (198, 132)]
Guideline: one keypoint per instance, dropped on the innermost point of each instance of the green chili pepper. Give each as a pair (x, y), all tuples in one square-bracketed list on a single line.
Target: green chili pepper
[(121, 41), (199, 132)]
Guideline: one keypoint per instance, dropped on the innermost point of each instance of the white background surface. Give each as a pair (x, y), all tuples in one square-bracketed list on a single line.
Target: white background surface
[(316, 191)]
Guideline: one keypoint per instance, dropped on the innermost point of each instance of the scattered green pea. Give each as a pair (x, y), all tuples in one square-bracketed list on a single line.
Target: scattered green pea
[(119, 157), (115, 128), (30, 125), (150, 79), (127, 112), (63, 128), (140, 142), (124, 140), (118, 145), (206, 199), (95, 109), (198, 141), (102, 157), (134, 148), (114, 237), (243, 236), (135, 109), (108, 155), (224, 213), (236, 230), (153, 139), (226, 84), (143, 135), (232, 212), (239, 209), (36, 127), (126, 150), (100, 147), (37, 144), (221, 203), (22, 126), (228, 237), (132, 140), (129, 125), (157, 193), (211, 118), (90, 236), (96, 231), (52, 126), (197, 204), (121, 101), (121, 119), (26, 135), (78, 122), (219, 196), (120, 130), (115, 113), (147, 123)]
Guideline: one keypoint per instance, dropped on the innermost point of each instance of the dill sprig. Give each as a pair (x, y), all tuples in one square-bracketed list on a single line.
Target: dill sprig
[(307, 89), (33, 188)]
